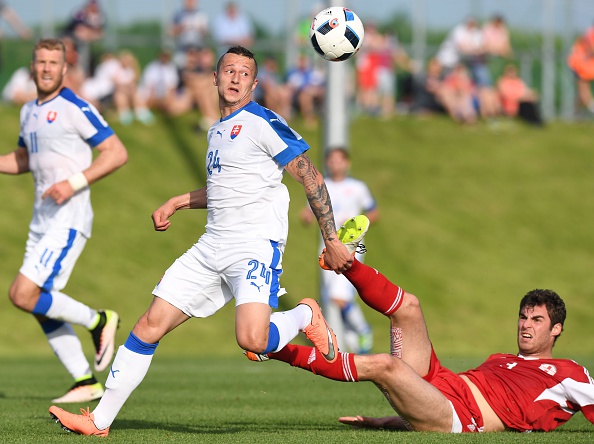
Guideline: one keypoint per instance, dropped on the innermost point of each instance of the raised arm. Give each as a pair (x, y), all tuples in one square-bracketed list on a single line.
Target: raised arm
[(303, 171), (16, 162), (112, 155), (192, 200)]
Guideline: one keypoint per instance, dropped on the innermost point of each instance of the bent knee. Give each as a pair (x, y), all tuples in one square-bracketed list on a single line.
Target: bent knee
[(22, 299), (252, 342)]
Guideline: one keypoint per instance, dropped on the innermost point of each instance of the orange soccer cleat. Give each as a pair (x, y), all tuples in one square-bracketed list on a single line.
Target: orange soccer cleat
[(320, 333)]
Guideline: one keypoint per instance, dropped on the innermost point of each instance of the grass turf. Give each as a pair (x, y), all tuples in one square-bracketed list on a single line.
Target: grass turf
[(228, 400)]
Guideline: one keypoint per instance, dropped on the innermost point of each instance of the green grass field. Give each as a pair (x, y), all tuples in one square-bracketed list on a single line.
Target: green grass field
[(471, 219)]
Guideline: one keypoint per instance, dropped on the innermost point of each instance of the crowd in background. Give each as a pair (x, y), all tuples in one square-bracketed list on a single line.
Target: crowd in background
[(473, 76)]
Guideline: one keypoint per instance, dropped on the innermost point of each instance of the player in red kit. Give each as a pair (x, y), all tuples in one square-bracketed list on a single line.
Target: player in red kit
[(530, 391)]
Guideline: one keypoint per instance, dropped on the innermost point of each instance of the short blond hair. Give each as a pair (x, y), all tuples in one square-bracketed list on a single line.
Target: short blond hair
[(50, 44)]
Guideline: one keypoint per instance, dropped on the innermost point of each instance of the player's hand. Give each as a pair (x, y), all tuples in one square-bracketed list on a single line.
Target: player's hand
[(60, 192), (337, 257), (161, 216), (389, 422)]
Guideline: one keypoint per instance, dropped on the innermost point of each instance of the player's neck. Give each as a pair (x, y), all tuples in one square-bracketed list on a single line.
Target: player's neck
[(43, 97)]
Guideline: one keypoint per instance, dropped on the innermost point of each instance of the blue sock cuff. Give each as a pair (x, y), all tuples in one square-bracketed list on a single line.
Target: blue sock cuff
[(50, 325), (273, 339), (43, 303), (137, 346)]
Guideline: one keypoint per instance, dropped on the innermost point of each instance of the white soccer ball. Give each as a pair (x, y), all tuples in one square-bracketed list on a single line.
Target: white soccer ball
[(336, 33)]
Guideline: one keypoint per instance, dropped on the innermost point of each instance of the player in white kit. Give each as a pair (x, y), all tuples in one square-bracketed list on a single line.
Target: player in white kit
[(58, 131), (337, 295), (240, 255)]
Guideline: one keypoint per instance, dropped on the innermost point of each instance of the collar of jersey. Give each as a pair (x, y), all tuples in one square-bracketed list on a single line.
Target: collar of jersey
[(234, 113)]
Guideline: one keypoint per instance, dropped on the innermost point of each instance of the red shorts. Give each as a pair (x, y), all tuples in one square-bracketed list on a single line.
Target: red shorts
[(455, 389)]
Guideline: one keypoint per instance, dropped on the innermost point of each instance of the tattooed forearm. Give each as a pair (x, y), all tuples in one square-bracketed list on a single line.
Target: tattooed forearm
[(317, 194)]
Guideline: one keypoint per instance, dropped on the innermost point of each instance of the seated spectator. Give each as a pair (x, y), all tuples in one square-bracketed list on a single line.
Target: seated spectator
[(428, 90), (20, 88), (458, 95), (197, 90), (231, 28), (127, 100), (517, 99), (100, 87), (307, 87), (272, 92), (158, 85), (581, 62), (496, 38)]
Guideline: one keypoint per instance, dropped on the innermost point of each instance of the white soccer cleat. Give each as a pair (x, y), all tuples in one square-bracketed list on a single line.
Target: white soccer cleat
[(83, 391)]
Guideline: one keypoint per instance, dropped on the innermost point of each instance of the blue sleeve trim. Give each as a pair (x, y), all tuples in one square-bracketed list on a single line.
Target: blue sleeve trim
[(103, 132), (21, 142)]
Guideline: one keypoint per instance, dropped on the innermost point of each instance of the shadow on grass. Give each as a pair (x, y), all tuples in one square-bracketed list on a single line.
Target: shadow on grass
[(187, 148)]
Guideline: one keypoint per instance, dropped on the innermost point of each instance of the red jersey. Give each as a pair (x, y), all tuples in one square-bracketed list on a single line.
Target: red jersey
[(534, 394)]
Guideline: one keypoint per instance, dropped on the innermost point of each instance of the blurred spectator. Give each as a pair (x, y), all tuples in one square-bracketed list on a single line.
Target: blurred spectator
[(465, 43), (127, 100), (517, 99), (496, 37), (20, 88), (15, 22), (87, 24), (99, 88), (272, 92), (75, 75), (197, 88), (376, 72), (497, 45), (231, 28), (428, 89), (307, 88), (189, 29), (581, 62), (458, 95)]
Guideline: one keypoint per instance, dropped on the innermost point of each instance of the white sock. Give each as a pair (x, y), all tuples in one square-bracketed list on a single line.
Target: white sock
[(68, 349), (64, 308), (289, 323), (126, 373)]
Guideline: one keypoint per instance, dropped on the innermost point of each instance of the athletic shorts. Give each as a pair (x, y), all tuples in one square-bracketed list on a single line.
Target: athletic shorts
[(50, 257), (467, 415), (210, 274)]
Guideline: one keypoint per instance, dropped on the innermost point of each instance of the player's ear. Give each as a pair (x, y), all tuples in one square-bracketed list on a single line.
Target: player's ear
[(557, 329), (254, 84), (214, 79)]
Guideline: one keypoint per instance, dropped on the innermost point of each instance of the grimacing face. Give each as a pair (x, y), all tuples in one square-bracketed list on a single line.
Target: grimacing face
[(536, 335)]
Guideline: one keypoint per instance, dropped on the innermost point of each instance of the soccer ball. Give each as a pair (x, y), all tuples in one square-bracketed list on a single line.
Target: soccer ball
[(336, 33)]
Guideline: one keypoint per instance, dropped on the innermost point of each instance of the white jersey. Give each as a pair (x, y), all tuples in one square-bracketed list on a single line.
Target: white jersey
[(350, 197), (245, 160), (58, 135)]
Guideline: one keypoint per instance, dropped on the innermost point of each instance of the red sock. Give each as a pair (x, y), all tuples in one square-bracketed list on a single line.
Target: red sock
[(374, 288), (308, 358)]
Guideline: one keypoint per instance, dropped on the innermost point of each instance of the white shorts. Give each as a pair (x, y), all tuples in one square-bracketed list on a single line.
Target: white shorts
[(50, 257), (336, 286), (210, 274)]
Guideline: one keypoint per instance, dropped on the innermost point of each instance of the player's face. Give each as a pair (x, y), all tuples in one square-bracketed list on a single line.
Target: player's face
[(235, 81), (536, 336), (338, 165), (48, 69)]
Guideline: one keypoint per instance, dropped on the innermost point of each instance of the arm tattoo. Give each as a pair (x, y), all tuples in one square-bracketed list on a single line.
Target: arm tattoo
[(317, 196)]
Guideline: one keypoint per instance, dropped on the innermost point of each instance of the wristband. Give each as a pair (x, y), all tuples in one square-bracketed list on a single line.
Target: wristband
[(78, 181)]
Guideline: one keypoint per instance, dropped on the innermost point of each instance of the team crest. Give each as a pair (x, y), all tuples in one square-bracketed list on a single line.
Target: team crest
[(235, 131), (51, 116), (549, 369)]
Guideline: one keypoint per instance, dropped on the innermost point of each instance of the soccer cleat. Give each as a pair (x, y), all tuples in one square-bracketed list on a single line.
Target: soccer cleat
[(104, 338), (320, 333), (256, 357), (81, 424), (82, 391), (350, 234)]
